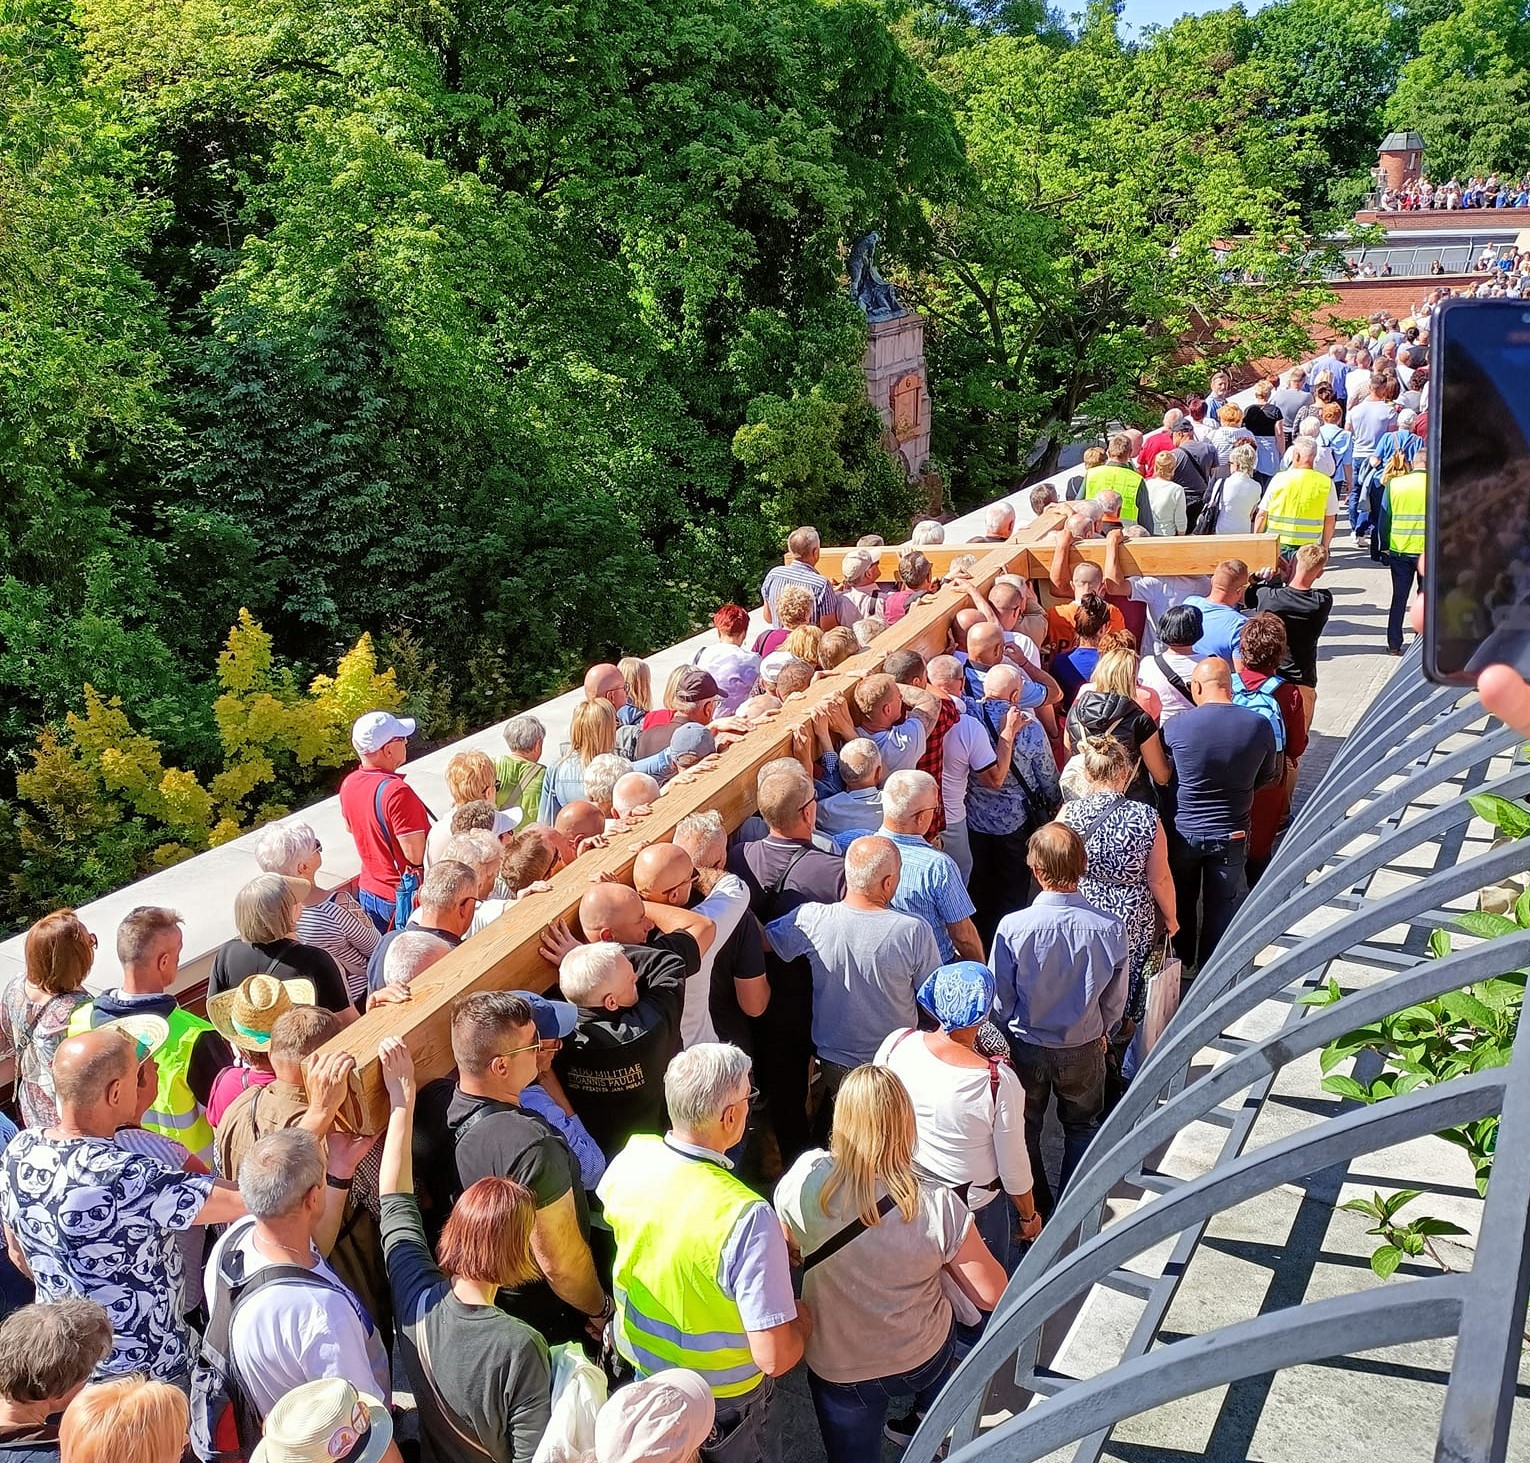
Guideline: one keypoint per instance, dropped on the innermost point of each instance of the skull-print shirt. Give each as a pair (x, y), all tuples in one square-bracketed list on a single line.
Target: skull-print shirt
[(98, 1222)]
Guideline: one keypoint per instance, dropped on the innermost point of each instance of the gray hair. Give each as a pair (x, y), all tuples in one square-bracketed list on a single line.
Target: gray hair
[(1304, 449), (854, 566), (944, 668), (963, 564), (283, 846), (524, 734), (1110, 502), (998, 518), (601, 777), (859, 757), (1406, 418), (928, 531), (699, 834), (1000, 680), (867, 628), (632, 790), (477, 848), (267, 907), (412, 953), (446, 882), (279, 1172), (702, 1081), (868, 861), (903, 789), (587, 970), (1310, 427)]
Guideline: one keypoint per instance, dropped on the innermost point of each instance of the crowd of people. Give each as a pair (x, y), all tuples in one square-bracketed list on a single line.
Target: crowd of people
[(785, 1101), (1491, 190)]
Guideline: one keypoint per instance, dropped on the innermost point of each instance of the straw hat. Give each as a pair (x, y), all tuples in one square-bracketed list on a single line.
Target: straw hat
[(246, 1014), (147, 1033), (326, 1421)]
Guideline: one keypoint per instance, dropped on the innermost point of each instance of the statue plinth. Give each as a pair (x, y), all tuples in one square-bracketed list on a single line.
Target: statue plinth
[(897, 386)]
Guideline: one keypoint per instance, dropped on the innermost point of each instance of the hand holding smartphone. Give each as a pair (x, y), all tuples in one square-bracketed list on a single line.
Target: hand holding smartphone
[(1477, 561)]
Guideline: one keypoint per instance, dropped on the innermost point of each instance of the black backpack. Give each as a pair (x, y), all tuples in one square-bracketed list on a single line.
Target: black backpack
[(225, 1424)]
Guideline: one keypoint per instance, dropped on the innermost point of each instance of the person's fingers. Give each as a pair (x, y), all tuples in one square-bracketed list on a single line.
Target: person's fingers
[(1506, 694)]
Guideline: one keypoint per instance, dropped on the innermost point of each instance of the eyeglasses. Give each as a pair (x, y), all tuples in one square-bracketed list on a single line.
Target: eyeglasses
[(661, 894), (754, 1097), (515, 1051), (808, 804), (920, 812)]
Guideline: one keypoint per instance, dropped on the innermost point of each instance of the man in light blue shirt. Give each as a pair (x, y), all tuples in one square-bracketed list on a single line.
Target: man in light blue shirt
[(930, 884), (1222, 610), (857, 809), (1062, 972)]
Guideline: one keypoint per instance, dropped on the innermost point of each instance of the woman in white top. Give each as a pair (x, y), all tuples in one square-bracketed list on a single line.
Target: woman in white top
[(1166, 499), (1240, 491), (969, 1108), (883, 1325)]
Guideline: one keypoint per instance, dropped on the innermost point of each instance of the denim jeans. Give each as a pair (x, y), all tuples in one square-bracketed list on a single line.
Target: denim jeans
[(377, 909), (1210, 883), (1404, 577), (741, 1433), (851, 1414), (1362, 516), (1075, 1075)]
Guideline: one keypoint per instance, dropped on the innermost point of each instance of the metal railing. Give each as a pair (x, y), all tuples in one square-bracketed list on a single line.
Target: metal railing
[(1396, 787)]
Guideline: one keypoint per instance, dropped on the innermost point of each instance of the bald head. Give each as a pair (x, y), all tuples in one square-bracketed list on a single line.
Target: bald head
[(860, 764), (663, 872), (963, 622), (985, 644), (1211, 680), (604, 682), (635, 790), (945, 674), (1229, 578), (87, 1069), (613, 912), (873, 867), (1081, 525), (580, 819), (1001, 683)]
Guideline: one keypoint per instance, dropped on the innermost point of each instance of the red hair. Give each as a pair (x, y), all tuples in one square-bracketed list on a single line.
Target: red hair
[(731, 619), (128, 1420), (487, 1236)]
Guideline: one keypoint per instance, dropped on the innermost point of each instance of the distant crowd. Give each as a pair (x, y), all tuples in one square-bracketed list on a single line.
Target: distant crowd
[(1490, 191), (784, 1102)]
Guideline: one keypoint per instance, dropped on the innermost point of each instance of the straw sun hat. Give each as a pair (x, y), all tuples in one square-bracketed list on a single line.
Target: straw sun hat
[(246, 1014), (326, 1421)]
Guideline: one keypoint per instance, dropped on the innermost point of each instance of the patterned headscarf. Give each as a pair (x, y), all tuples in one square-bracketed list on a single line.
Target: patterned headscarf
[(958, 995)]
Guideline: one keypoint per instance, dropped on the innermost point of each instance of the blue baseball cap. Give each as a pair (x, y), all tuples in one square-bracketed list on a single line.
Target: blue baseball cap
[(959, 995), (555, 1019)]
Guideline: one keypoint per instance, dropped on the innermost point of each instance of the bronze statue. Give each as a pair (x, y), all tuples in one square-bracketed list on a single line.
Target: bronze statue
[(867, 287)]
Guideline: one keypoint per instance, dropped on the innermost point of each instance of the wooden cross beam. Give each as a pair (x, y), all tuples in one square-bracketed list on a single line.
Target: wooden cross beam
[(1161, 556), (505, 955)]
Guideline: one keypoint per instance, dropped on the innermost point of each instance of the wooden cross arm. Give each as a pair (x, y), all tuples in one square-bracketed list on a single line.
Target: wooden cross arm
[(1160, 556), (506, 957)]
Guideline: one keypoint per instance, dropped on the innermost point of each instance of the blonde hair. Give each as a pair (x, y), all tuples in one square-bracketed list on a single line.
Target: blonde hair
[(1262, 389), (1094, 457), (872, 1143), (1105, 760), (672, 685), (794, 606), (129, 1420), (470, 778), (638, 681), (1116, 671), (1244, 458), (592, 732), (805, 643)]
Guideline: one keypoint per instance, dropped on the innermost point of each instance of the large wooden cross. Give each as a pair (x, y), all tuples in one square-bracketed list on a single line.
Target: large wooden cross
[(505, 956)]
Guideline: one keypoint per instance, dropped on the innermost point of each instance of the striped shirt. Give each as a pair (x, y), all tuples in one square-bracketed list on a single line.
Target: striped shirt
[(339, 927), (825, 601)]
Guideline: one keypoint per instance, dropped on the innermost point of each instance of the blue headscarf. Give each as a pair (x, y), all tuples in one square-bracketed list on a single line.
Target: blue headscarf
[(959, 995)]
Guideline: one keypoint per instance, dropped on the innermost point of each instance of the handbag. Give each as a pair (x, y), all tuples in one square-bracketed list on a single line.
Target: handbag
[(1162, 999)]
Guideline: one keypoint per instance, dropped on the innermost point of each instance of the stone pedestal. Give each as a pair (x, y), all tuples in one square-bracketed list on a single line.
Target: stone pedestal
[(895, 381)]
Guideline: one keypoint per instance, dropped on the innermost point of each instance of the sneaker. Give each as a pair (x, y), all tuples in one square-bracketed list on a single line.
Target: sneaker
[(899, 1431)]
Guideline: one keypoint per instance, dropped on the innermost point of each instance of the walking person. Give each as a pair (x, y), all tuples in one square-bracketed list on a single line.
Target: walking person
[(1401, 534), (874, 1240)]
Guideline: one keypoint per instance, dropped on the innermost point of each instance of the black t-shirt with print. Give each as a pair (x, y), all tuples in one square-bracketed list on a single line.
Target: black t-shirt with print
[(237, 961), (612, 1066)]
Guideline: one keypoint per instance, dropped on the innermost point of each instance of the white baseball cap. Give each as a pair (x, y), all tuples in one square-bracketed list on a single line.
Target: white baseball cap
[(376, 729)]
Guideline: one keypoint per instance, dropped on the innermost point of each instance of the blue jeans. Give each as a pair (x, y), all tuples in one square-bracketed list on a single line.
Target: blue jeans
[(1362, 517), (1404, 577), (1210, 884), (377, 909), (851, 1414)]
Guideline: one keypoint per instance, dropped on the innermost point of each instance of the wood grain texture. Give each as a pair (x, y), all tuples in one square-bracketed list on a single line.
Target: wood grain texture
[(505, 956), (1164, 556)]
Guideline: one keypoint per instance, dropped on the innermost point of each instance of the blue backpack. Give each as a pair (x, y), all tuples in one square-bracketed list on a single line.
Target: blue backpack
[(1263, 701)]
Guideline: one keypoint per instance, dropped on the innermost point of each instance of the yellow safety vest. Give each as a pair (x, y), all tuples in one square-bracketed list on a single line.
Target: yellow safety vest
[(1406, 493), (175, 1112), (672, 1216), (1114, 476), (1298, 505)]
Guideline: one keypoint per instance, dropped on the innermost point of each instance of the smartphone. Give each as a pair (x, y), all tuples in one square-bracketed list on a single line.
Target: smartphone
[(1477, 536)]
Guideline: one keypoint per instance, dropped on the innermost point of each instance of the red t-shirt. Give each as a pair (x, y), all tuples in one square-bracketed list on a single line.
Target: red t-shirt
[(660, 716), (382, 862)]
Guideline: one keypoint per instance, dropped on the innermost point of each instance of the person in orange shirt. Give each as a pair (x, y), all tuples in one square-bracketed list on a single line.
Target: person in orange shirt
[(1084, 579)]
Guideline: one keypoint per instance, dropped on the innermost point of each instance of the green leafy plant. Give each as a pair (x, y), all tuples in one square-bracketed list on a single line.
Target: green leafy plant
[(1401, 1238)]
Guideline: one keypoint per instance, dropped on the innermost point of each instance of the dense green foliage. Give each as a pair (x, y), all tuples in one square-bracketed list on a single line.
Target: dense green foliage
[(516, 334)]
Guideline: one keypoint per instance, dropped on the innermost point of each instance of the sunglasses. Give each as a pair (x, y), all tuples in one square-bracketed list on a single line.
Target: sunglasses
[(515, 1051)]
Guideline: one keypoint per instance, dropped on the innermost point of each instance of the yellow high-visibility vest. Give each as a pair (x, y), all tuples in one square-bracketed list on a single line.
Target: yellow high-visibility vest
[(1298, 505), (1407, 493), (1123, 480)]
